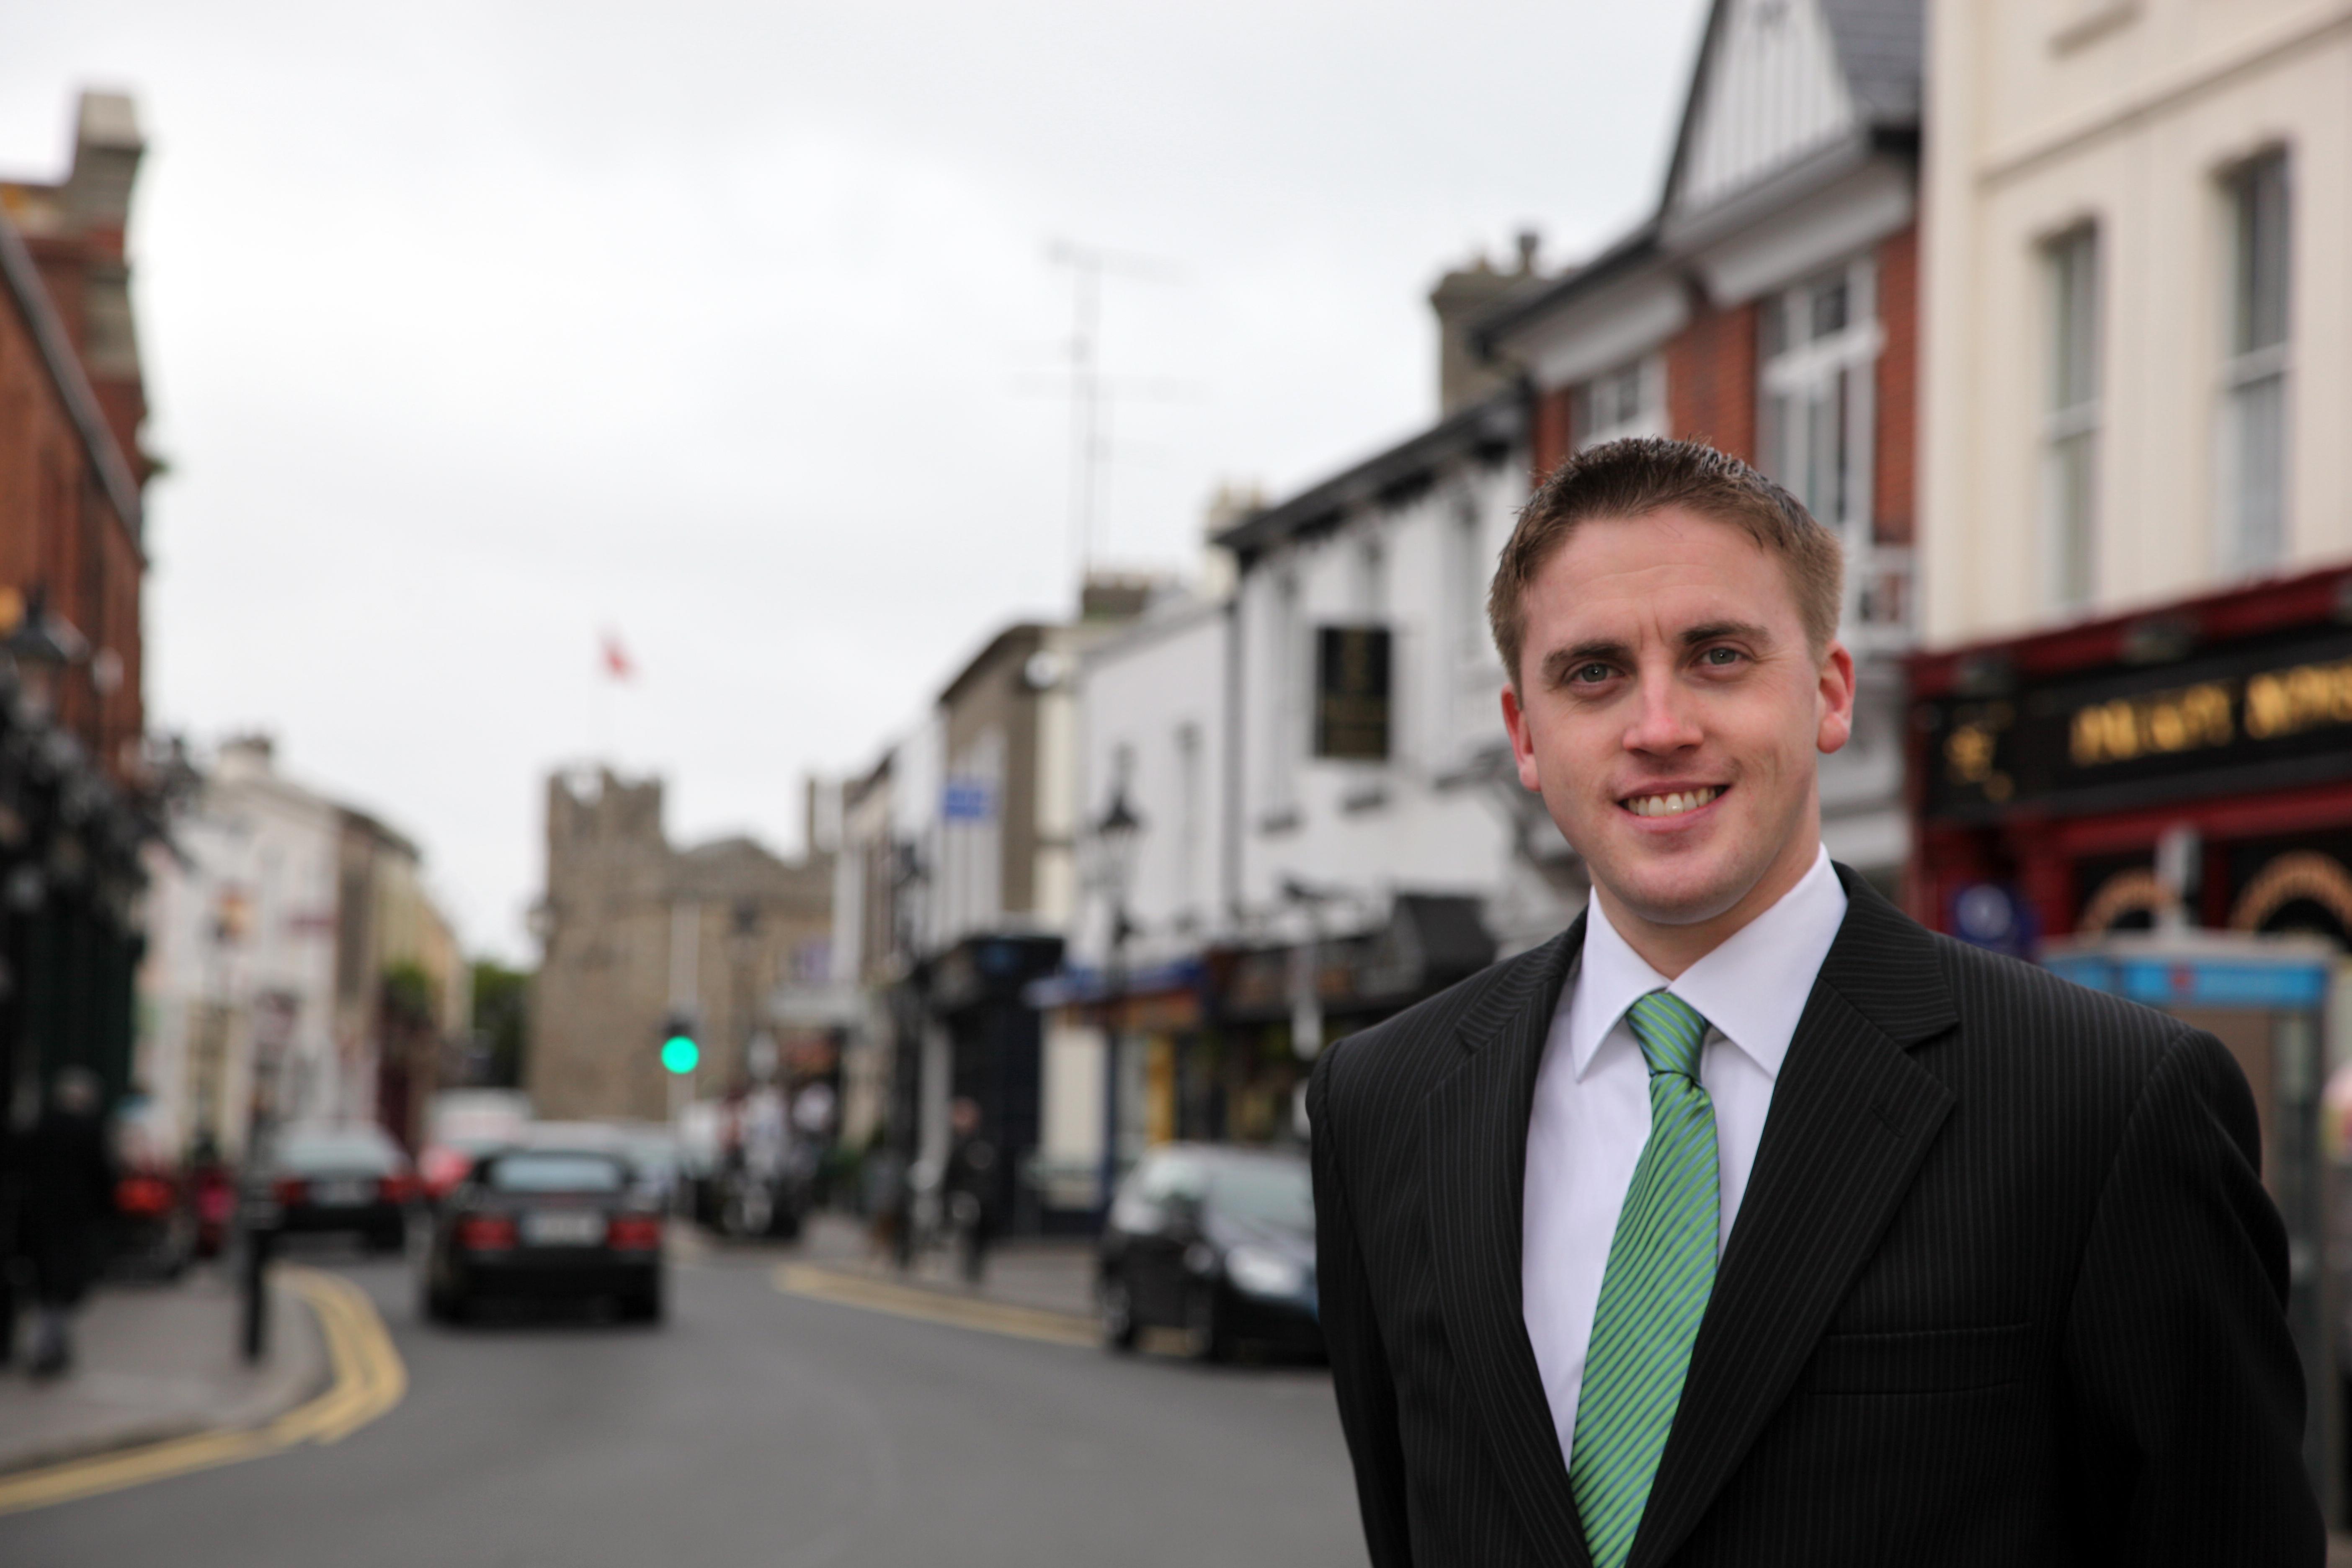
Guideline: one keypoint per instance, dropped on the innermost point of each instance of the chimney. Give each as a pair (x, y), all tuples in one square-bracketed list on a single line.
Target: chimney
[(1459, 299)]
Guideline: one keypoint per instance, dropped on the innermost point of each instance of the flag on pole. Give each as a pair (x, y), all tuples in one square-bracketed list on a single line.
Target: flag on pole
[(617, 658)]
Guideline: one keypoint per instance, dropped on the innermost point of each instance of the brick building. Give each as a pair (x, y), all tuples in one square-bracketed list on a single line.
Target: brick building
[(71, 563), (72, 400), (1770, 307)]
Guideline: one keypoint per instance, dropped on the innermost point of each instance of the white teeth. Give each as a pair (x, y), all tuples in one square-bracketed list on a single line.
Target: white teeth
[(1673, 804)]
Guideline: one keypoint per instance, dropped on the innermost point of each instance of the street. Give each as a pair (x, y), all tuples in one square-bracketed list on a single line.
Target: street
[(756, 1426)]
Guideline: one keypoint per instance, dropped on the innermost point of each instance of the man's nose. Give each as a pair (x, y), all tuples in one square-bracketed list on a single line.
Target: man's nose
[(1663, 720)]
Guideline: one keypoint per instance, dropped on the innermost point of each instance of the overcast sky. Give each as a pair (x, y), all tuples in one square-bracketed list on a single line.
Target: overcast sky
[(472, 331)]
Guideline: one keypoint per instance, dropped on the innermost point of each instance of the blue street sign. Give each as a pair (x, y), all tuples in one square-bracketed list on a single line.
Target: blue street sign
[(968, 800)]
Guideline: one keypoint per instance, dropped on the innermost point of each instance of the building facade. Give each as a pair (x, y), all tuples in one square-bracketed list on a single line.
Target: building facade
[(2138, 511), (75, 803), (2141, 349), (296, 968), (635, 932), (1769, 307)]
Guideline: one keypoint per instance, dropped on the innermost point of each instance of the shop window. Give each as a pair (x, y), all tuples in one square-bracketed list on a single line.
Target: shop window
[(2252, 457), (2070, 428)]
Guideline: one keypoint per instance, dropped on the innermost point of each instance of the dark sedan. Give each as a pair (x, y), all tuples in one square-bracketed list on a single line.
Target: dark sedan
[(350, 1178), (546, 1225), (1218, 1242)]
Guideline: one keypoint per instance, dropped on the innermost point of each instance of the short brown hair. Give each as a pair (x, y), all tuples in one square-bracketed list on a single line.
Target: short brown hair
[(1641, 475)]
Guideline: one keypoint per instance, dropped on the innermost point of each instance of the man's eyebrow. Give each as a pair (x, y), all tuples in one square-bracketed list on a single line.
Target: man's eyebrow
[(1716, 631), (1596, 649)]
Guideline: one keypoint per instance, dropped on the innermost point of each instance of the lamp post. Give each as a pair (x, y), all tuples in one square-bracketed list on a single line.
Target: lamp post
[(1118, 833), (43, 646)]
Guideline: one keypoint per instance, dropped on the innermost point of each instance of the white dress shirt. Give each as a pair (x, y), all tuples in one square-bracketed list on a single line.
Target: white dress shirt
[(1591, 1113)]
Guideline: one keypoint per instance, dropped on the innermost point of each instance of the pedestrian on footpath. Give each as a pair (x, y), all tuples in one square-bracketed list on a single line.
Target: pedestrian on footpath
[(970, 1187), (1747, 1222), (68, 1195)]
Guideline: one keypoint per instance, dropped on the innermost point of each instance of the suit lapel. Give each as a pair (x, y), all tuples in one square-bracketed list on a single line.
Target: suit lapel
[(1852, 1115), (1477, 1141)]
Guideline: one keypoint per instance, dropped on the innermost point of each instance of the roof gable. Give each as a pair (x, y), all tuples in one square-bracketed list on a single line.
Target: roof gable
[(1770, 88), (1778, 80)]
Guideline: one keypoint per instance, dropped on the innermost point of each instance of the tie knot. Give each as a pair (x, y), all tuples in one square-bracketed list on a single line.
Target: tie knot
[(1669, 1031)]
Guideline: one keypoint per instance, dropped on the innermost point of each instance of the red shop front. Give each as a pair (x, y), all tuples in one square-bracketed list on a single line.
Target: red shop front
[(2193, 761)]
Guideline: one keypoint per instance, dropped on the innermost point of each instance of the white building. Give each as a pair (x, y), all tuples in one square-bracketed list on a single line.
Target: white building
[(238, 985), (1336, 819), (2139, 359)]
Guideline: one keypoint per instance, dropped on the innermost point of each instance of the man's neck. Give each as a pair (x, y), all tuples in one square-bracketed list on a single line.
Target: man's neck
[(1670, 948)]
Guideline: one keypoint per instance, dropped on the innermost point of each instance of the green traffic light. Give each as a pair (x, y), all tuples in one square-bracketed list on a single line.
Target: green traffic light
[(679, 1053)]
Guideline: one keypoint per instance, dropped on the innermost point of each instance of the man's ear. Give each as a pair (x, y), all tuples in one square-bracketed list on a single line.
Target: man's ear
[(1523, 740), (1834, 700)]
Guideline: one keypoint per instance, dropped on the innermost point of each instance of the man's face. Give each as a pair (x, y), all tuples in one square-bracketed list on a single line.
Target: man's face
[(1669, 709)]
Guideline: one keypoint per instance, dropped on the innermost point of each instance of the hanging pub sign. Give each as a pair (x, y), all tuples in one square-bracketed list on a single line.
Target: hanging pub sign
[(1351, 693), (2271, 715)]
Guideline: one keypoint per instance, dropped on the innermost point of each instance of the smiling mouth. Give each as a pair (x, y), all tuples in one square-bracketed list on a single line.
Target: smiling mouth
[(1673, 803)]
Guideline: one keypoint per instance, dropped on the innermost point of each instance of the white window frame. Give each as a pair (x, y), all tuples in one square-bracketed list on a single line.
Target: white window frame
[(2248, 545), (1625, 401), (2071, 414), (1287, 685), (1801, 373)]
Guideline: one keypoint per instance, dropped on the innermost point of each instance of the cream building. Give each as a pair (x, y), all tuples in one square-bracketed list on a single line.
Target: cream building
[(2138, 352)]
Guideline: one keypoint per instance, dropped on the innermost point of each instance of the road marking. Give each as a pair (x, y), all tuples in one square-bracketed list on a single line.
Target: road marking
[(369, 1379), (933, 1306)]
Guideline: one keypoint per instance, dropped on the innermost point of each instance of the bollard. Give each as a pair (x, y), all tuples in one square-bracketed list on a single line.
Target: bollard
[(258, 1224)]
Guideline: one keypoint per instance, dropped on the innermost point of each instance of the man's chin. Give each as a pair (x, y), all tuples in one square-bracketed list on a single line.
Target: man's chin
[(1683, 895)]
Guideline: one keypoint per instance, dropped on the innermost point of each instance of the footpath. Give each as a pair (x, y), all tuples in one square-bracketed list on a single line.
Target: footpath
[(157, 1362), (1042, 1275)]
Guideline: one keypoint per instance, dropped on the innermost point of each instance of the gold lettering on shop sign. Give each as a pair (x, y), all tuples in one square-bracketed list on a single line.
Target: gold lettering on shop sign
[(2184, 721), (2289, 702), (1971, 750)]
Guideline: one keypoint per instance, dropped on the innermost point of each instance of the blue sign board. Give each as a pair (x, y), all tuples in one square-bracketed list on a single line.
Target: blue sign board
[(2193, 980), (968, 800)]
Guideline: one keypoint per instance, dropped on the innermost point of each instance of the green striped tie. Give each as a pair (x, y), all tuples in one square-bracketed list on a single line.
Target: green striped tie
[(1660, 1269)]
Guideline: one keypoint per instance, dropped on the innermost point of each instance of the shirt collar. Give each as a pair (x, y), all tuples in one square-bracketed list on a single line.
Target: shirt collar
[(1752, 988)]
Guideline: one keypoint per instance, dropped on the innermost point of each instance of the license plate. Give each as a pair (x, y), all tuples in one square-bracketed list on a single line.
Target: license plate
[(562, 1228), (344, 1195)]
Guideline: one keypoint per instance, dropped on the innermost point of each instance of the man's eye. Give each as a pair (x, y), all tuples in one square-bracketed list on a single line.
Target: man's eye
[(1591, 674), (1721, 658)]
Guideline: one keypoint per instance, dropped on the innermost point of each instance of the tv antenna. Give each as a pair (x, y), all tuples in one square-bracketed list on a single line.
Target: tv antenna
[(1090, 391)]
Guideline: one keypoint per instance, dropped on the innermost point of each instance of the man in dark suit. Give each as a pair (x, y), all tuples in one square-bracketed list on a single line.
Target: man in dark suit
[(1747, 1221)]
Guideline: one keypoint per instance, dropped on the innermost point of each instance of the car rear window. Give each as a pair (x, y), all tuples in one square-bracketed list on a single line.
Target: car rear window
[(338, 1151), (1271, 1191), (556, 1174)]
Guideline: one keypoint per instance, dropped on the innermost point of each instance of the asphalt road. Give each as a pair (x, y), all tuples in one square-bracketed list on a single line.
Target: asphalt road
[(756, 1427)]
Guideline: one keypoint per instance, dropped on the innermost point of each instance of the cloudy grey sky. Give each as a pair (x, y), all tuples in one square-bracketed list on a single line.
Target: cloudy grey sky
[(473, 330)]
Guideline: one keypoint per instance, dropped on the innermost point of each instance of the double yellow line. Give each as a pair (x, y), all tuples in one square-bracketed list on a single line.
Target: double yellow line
[(369, 1379), (935, 1307)]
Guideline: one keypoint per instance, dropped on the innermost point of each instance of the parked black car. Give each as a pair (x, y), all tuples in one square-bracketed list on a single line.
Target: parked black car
[(545, 1223), (347, 1177), (1217, 1241)]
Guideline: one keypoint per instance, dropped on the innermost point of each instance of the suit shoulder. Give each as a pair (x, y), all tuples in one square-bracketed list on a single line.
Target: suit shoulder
[(1405, 1054), (2057, 1030)]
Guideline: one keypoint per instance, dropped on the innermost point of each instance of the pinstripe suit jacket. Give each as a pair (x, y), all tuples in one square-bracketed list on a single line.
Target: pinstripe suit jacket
[(2005, 1288)]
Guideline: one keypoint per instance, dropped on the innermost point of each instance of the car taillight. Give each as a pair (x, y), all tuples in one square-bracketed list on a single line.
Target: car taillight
[(397, 1188), (291, 1189), (485, 1232), (633, 1233), (142, 1196)]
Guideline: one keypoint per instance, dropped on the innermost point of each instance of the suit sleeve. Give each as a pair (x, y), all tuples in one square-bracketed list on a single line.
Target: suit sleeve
[(2189, 1394), (1359, 1367)]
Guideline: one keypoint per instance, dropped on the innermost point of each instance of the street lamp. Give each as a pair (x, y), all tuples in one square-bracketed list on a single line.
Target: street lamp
[(43, 646), (1119, 834)]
